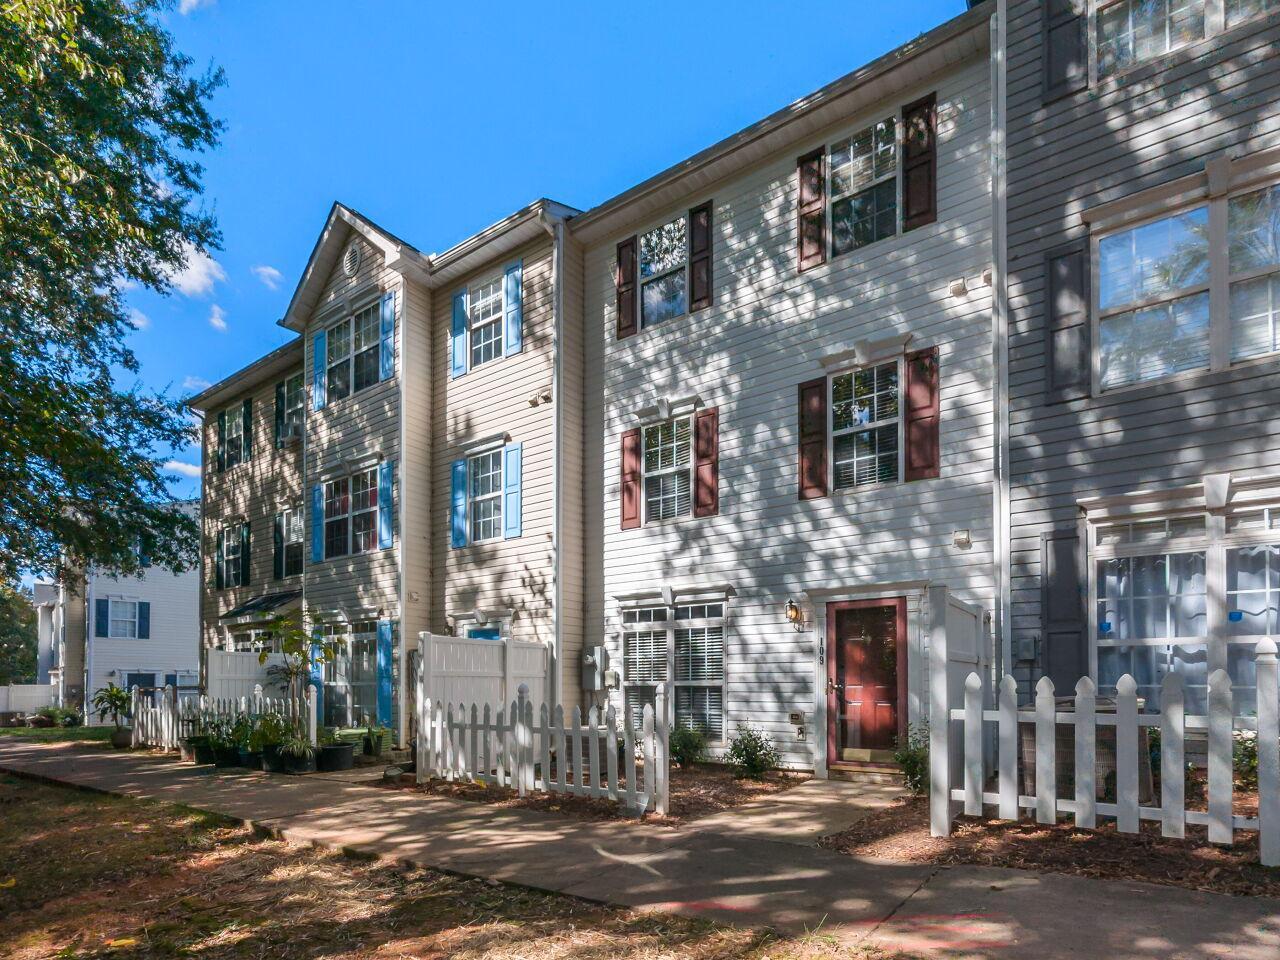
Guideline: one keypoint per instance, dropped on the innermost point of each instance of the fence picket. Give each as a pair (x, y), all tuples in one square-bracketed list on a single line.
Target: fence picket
[(524, 741), (562, 757), (611, 752), (575, 746), (1127, 754), (973, 773), (1268, 752), (1008, 756), (1046, 753), (646, 727), (1086, 754), (1173, 818), (1221, 772), (593, 748)]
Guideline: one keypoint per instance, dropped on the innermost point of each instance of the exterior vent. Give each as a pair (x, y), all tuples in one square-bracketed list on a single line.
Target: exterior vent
[(351, 260)]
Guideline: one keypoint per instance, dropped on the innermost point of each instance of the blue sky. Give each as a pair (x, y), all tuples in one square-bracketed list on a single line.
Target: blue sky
[(437, 119)]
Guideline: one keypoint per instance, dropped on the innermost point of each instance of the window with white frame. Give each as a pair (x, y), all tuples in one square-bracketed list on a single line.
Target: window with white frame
[(865, 426), (292, 537), (1238, 11), (864, 187), (124, 620), (664, 253), (485, 321), (684, 642), (233, 556), (337, 517), (1167, 304), (1187, 593), (484, 496), (1133, 31), (668, 469), (351, 514), (352, 353), (338, 360), (255, 641), (233, 436), (294, 395), (350, 675)]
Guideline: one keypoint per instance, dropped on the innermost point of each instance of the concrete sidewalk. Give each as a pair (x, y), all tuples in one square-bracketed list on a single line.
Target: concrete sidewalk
[(711, 869)]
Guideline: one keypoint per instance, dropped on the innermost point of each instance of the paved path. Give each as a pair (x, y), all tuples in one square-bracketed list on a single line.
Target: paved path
[(714, 870)]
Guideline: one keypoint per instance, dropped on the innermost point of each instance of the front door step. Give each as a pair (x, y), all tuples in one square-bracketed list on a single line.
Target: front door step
[(855, 755), (866, 772)]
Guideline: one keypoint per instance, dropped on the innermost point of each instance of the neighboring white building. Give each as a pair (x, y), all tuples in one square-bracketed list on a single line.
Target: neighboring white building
[(142, 630)]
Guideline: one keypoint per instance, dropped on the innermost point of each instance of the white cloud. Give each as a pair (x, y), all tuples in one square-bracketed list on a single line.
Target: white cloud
[(218, 319), (270, 276), (185, 469), (186, 7), (201, 273), (138, 320), (195, 383)]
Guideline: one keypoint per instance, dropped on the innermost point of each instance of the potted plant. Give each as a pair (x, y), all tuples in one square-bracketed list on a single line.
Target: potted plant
[(374, 738), (269, 732), (335, 754), (113, 701), (226, 752), (241, 733), (298, 754)]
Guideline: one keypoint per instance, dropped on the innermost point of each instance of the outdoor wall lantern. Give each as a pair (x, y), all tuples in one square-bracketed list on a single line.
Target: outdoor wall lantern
[(795, 616)]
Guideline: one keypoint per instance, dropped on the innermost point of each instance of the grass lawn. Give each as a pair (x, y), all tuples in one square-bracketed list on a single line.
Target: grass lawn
[(84, 875), (58, 734)]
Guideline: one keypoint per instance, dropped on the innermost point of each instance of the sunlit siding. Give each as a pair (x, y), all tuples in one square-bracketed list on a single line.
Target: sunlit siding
[(746, 355)]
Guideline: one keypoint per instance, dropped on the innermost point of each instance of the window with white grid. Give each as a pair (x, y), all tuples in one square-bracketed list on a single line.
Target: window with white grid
[(364, 511), (684, 643), (124, 619), (864, 187), (865, 426), (664, 252), (485, 321), (365, 348), (1133, 31), (1253, 260), (484, 496), (668, 470)]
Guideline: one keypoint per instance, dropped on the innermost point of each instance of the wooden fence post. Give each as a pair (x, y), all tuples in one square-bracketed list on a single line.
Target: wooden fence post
[(973, 730), (1173, 725), (939, 717), (1046, 753), (663, 708), (135, 707), (311, 715), (1009, 749), (1221, 767), (1086, 754), (1127, 814), (1268, 753)]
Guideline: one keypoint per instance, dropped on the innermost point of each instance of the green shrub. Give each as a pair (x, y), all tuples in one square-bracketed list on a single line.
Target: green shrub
[(688, 745), (1244, 756), (751, 754), (269, 729), (912, 755)]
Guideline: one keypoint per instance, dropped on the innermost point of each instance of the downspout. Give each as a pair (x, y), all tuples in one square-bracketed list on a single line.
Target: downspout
[(555, 227), (1000, 337)]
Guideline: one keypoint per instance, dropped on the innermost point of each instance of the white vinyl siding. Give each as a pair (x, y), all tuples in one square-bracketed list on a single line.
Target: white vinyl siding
[(668, 470)]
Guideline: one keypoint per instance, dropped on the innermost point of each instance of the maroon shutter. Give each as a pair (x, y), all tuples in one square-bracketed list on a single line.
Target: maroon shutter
[(700, 257), (631, 479), (919, 163), (624, 281), (813, 439), (811, 212), (923, 408), (706, 454)]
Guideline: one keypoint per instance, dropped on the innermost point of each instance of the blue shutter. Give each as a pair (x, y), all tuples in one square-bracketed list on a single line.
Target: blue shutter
[(385, 472), (317, 523), (511, 490), (101, 618), (513, 331), (458, 351), (387, 354), (317, 677), (458, 501), (144, 620), (384, 673), (319, 394)]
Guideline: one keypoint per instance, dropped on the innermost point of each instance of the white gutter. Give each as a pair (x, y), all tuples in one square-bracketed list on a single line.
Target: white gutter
[(1000, 337)]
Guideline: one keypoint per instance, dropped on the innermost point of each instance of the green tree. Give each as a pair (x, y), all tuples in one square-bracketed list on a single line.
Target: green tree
[(18, 640), (101, 122)]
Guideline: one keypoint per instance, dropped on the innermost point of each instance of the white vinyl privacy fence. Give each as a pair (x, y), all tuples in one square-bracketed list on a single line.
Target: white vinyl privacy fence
[(513, 746), (1090, 758), (160, 718), (26, 697), (232, 674), (476, 670)]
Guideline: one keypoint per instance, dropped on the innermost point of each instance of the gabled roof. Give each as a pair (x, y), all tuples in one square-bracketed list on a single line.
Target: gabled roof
[(342, 220), (954, 42)]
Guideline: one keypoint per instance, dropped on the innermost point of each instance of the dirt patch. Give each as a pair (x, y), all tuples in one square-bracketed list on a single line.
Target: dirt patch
[(697, 791), (901, 832), (88, 876)]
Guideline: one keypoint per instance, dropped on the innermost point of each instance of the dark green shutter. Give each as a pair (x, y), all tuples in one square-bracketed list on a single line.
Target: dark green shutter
[(222, 440), (247, 419), (217, 563), (280, 401), (244, 554), (277, 546)]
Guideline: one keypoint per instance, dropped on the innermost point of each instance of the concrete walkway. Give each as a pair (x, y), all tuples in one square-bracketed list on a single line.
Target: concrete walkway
[(712, 869)]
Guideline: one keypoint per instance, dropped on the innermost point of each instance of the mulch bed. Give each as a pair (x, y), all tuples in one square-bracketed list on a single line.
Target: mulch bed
[(901, 832), (697, 791)]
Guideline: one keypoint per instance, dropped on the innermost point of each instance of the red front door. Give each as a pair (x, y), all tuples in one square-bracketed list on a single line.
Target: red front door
[(866, 678)]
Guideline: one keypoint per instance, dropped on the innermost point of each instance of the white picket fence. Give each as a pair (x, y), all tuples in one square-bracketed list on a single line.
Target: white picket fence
[(160, 720), (27, 697), (509, 749), (967, 722)]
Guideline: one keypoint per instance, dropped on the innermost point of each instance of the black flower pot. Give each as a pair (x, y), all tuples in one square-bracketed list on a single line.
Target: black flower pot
[(226, 756), (336, 756), (373, 745), (251, 759), (294, 764), (272, 762), (204, 752)]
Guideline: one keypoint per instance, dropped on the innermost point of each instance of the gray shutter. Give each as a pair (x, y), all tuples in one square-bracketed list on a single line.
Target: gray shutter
[(1066, 326), (1064, 652), (1065, 53)]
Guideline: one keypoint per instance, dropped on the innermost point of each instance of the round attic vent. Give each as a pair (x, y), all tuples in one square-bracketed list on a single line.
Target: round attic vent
[(351, 260)]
